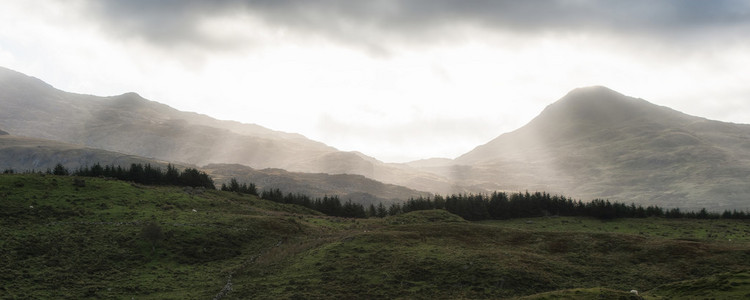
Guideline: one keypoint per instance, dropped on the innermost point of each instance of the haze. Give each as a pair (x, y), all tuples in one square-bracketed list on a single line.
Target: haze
[(397, 80)]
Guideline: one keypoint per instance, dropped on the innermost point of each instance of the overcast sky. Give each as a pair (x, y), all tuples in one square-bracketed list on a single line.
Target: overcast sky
[(397, 80)]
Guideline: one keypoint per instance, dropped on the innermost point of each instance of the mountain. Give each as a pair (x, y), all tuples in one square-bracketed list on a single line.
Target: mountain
[(357, 188), (133, 125), (597, 143), (592, 143)]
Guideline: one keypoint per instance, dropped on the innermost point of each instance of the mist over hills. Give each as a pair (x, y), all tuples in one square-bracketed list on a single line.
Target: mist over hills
[(357, 188), (592, 143)]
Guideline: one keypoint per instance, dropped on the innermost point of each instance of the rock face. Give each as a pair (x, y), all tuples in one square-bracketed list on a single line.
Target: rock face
[(597, 143), (3, 132)]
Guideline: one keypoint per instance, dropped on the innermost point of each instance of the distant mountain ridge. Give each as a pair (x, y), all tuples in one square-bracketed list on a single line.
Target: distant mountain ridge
[(133, 125), (357, 188), (592, 143), (22, 154)]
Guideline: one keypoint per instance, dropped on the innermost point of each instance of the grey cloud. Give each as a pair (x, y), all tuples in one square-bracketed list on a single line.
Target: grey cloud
[(374, 22)]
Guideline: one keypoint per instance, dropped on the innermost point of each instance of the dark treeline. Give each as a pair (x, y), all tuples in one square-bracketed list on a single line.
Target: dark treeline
[(329, 205), (243, 188), (500, 205), (472, 207), (475, 207), (144, 174)]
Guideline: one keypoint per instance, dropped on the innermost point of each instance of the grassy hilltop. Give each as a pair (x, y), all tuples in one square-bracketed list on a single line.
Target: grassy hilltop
[(112, 239)]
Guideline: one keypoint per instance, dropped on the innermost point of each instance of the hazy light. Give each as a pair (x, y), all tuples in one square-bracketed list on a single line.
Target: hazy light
[(398, 97)]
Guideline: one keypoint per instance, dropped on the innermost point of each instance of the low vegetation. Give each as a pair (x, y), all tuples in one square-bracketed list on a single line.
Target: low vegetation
[(107, 238)]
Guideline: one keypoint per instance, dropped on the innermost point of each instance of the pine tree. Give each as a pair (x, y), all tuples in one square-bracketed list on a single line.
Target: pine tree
[(60, 170)]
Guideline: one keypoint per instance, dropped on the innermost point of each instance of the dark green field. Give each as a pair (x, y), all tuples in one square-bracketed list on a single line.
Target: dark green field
[(58, 240)]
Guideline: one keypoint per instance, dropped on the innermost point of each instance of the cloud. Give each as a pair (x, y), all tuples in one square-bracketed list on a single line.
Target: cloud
[(375, 23)]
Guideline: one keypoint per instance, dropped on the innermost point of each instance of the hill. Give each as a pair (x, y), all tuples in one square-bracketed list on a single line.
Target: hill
[(133, 125), (357, 188), (113, 239), (597, 143), (26, 154)]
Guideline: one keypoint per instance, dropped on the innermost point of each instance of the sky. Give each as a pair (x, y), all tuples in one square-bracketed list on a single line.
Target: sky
[(396, 80)]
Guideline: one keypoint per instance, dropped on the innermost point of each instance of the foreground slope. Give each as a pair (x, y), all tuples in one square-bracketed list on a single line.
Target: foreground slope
[(133, 125), (597, 143), (60, 240)]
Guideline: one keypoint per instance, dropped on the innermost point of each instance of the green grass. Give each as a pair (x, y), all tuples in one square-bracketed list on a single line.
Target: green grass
[(578, 294), (734, 285), (59, 240), (718, 230), (62, 241)]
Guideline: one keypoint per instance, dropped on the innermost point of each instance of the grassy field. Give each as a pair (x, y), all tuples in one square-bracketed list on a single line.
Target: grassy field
[(58, 240)]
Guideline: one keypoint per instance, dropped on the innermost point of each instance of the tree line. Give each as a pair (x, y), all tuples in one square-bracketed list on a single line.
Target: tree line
[(502, 205), (143, 174), (328, 205)]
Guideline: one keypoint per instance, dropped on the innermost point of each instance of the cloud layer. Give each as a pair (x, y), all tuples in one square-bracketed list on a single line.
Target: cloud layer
[(379, 22)]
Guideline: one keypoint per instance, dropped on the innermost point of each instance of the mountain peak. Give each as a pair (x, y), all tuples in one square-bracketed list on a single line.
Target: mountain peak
[(582, 114), (592, 98), (3, 132), (592, 91), (599, 106)]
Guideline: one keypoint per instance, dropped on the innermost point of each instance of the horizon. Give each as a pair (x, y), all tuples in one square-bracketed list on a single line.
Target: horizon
[(398, 81)]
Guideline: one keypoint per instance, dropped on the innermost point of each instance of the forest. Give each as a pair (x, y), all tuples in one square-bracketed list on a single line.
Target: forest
[(137, 173)]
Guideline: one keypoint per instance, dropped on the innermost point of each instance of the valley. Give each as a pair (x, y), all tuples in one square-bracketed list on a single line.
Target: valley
[(490, 224)]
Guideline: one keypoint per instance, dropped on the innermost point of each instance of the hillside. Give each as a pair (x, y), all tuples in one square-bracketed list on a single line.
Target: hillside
[(133, 125), (26, 154), (112, 239), (597, 143), (357, 188)]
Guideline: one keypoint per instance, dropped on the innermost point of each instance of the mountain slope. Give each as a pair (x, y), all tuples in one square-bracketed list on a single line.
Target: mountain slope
[(595, 142), (24, 154), (131, 124)]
